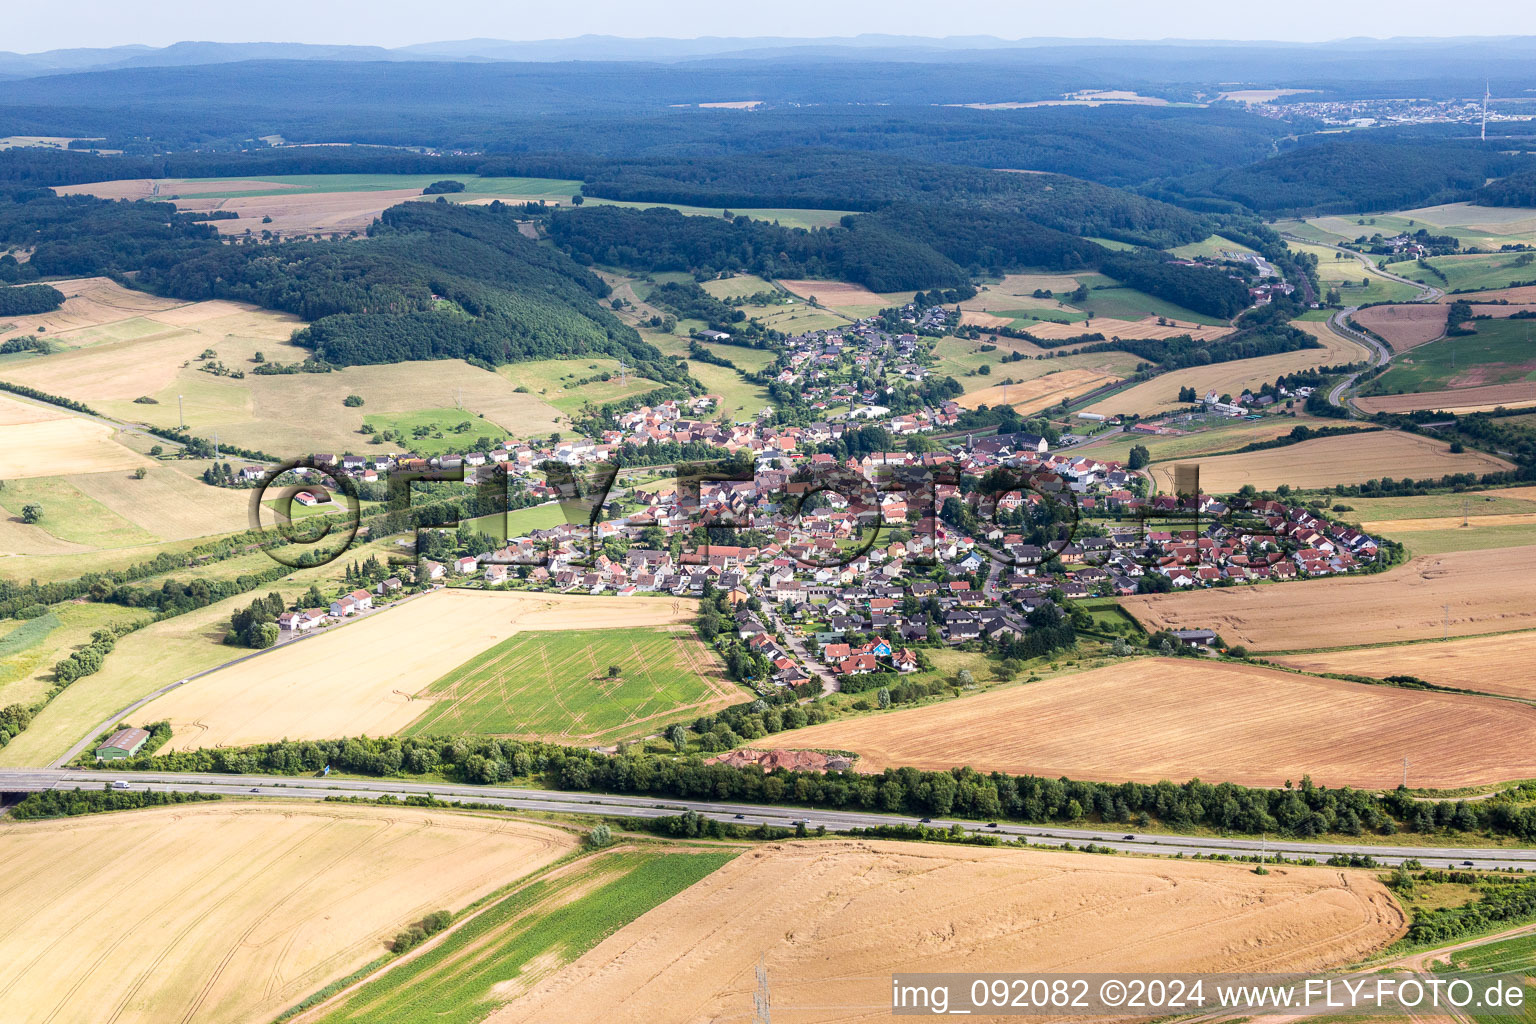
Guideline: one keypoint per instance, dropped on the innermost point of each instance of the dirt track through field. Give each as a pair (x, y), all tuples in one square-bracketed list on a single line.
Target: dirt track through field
[(832, 921), (1157, 718), (349, 680), (1490, 591), (224, 912)]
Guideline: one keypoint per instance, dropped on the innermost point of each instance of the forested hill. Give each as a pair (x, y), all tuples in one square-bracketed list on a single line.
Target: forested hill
[(1348, 174), (899, 248), (1519, 189), (431, 281), (862, 181)]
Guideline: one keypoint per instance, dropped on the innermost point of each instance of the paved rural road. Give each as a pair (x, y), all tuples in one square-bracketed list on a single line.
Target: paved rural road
[(558, 802), (1338, 322)]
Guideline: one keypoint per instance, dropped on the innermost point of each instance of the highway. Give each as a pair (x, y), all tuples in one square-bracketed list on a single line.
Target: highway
[(560, 802)]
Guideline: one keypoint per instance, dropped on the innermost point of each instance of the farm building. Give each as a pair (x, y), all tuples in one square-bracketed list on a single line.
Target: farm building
[(123, 743)]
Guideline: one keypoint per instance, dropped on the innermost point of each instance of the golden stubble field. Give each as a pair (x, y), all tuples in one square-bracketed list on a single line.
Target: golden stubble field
[(363, 678), (1158, 718), (36, 441), (1161, 393), (1488, 591), (1037, 393), (1407, 326), (1489, 664), (231, 912), (1484, 398), (832, 920), (1323, 462)]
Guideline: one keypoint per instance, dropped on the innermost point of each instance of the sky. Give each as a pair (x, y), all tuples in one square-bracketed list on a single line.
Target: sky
[(93, 23)]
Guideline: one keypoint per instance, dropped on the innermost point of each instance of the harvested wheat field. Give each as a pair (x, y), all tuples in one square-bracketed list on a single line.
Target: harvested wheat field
[(1159, 718), (1161, 393), (1146, 327), (169, 502), (1323, 462), (976, 318), (1040, 392), (226, 912), (1457, 400), (1392, 526), (37, 442), (1489, 591), (363, 677), (1513, 296), (837, 294), (307, 213), (1016, 291), (832, 921), (88, 302), (1404, 327), (1488, 664), (149, 188)]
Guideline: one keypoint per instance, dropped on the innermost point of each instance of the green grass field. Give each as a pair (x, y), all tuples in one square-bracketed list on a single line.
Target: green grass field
[(1471, 273), (556, 381), (70, 515), (445, 429), (1439, 542), (1501, 352), (519, 522), (1123, 303), (537, 928), (1213, 247), (1223, 437), (555, 685), (1433, 506), (739, 399), (1346, 273)]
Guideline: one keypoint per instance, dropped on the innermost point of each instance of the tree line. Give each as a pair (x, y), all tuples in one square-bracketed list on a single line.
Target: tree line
[(1302, 810)]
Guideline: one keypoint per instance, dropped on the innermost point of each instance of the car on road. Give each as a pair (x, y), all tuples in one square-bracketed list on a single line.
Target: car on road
[(1467, 863), (927, 821), (120, 784), (255, 790), (1128, 839), (991, 824), (739, 817)]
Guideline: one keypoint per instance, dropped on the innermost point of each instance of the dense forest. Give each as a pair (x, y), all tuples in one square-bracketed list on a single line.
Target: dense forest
[(1341, 174), (29, 298), (1518, 189), (899, 248)]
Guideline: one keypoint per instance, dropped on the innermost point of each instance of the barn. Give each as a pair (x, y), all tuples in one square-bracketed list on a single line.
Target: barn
[(123, 743)]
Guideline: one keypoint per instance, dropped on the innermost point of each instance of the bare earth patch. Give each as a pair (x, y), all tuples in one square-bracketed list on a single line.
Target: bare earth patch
[(832, 920), (1406, 326), (222, 913), (1160, 718), (364, 678), (1488, 591)]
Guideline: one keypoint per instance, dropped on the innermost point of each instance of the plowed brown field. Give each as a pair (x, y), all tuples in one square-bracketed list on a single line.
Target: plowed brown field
[(1160, 718), (1489, 591), (832, 921), (1489, 664), (1406, 326)]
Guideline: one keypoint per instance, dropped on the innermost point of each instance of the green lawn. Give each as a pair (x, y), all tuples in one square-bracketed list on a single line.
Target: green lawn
[(1471, 273), (555, 685), (1439, 542), (519, 522), (1500, 352), (739, 399), (540, 926)]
